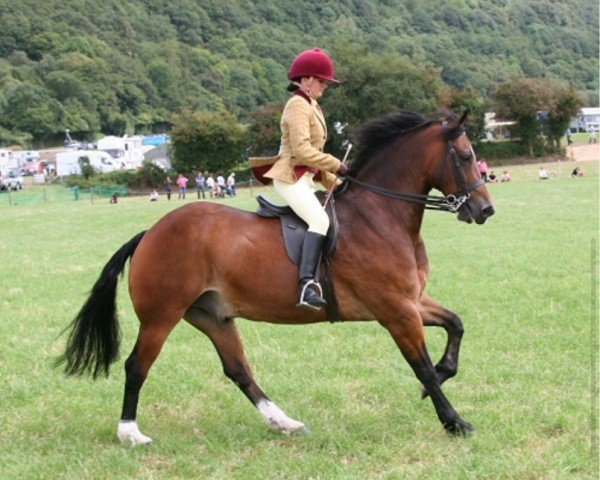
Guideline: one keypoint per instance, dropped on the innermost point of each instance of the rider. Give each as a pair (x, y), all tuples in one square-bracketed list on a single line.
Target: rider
[(301, 160)]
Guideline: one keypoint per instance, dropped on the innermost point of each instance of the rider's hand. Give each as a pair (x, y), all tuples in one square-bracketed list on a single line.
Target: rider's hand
[(343, 170)]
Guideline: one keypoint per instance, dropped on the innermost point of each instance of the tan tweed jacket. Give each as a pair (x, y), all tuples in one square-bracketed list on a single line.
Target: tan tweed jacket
[(303, 135)]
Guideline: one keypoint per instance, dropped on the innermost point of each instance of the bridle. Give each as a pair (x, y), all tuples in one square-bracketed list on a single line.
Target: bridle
[(450, 203)]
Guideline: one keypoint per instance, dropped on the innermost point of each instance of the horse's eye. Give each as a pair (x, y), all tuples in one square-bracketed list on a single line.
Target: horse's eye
[(465, 157)]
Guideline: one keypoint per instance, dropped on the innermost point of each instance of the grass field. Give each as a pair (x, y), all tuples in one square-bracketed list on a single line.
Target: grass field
[(525, 285)]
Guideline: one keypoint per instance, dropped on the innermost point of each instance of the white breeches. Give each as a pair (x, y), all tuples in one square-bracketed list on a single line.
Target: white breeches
[(301, 197)]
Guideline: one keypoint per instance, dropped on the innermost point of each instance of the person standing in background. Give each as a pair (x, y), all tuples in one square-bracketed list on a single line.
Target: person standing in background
[(482, 166), (182, 185), (210, 184), (230, 184), (568, 135), (200, 183), (168, 187)]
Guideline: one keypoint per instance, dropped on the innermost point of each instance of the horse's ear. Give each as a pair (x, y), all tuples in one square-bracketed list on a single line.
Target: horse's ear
[(463, 117)]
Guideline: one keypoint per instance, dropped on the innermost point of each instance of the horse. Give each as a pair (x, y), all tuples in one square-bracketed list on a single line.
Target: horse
[(379, 269)]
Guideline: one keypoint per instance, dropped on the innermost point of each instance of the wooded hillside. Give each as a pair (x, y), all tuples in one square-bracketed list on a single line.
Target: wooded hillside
[(127, 65)]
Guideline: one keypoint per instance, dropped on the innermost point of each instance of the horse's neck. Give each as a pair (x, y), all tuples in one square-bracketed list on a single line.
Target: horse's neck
[(384, 216), (404, 174)]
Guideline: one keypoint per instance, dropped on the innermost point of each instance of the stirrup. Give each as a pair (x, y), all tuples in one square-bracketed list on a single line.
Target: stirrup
[(302, 303)]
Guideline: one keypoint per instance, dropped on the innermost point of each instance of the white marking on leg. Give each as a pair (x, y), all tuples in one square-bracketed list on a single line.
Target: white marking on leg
[(277, 419), (128, 431)]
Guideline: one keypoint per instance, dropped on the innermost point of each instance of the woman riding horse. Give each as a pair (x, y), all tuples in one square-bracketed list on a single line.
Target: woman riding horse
[(301, 158), (402, 157)]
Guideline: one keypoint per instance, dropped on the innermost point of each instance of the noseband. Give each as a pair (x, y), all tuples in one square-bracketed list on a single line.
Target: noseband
[(450, 203)]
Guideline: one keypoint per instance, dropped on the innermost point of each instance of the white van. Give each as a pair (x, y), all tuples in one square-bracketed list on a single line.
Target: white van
[(127, 150), (69, 163)]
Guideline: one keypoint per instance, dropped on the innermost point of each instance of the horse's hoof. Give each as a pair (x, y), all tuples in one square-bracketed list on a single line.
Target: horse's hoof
[(128, 432), (302, 431), (459, 428)]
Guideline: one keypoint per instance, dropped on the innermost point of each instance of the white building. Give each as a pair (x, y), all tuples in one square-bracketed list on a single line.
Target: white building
[(496, 129), (589, 117)]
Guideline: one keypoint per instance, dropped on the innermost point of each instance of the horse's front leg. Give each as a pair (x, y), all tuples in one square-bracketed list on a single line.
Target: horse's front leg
[(433, 314), (405, 326)]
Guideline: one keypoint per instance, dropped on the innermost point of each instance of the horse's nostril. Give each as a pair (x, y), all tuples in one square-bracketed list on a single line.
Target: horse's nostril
[(488, 211)]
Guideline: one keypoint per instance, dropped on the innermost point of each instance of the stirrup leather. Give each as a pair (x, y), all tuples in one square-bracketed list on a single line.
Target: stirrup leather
[(303, 303)]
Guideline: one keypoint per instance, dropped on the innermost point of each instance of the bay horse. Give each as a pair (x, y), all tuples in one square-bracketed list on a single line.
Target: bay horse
[(232, 263)]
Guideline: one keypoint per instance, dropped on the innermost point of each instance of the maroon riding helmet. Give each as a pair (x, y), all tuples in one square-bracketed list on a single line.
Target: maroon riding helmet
[(312, 63)]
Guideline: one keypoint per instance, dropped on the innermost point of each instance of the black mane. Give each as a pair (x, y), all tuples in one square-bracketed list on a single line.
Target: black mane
[(379, 133)]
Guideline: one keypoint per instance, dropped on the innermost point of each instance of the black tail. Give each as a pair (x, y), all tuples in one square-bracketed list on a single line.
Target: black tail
[(93, 343)]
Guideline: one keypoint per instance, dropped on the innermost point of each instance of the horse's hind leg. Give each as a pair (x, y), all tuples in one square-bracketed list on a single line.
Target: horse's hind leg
[(226, 339), (433, 314), (151, 338)]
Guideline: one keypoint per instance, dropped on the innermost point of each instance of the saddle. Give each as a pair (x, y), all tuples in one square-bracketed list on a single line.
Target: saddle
[(293, 230)]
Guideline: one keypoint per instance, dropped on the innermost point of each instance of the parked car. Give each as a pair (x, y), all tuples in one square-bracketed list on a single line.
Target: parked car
[(31, 168), (11, 180)]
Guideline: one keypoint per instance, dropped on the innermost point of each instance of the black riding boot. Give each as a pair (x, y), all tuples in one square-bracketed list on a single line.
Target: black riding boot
[(310, 290)]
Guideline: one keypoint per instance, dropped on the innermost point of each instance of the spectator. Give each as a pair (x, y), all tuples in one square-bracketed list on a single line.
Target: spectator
[(154, 196), (211, 185), (577, 172), (200, 182), (568, 135), (505, 176), (230, 184), (221, 185), (543, 174), (592, 133), (483, 168), (168, 184), (492, 177), (182, 185)]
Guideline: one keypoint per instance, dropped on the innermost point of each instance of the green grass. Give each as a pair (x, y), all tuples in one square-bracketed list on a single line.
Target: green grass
[(524, 285)]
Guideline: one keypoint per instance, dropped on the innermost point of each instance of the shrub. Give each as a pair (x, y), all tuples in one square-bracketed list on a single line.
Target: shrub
[(147, 177), (500, 150)]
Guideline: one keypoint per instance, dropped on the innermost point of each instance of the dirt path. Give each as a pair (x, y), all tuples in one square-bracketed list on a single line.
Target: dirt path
[(584, 152)]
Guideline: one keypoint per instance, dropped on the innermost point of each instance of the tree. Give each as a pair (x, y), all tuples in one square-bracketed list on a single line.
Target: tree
[(565, 105), (520, 100), (136, 63), (263, 133), (539, 106), (28, 108), (210, 141), (469, 99), (373, 85)]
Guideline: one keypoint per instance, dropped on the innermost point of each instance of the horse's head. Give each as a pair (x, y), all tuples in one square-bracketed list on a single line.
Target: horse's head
[(459, 178), (404, 155)]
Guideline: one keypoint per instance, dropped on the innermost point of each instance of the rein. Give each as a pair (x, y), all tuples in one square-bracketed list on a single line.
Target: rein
[(450, 203)]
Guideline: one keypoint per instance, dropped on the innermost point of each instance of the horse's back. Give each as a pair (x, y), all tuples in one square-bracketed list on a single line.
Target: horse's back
[(208, 247)]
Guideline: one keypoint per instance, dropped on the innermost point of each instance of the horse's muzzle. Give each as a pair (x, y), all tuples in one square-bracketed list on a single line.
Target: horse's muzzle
[(470, 211)]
